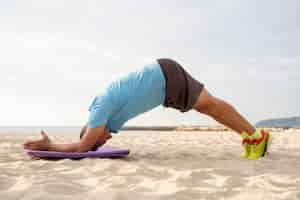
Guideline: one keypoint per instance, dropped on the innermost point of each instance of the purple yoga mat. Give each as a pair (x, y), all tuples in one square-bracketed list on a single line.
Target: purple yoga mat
[(102, 152)]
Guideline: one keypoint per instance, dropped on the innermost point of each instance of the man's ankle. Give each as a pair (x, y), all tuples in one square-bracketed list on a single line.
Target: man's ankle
[(250, 131)]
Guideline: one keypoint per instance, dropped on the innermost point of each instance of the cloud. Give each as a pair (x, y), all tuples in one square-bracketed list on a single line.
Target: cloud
[(56, 55)]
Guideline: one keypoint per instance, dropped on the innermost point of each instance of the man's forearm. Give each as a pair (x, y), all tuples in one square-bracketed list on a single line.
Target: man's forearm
[(72, 147)]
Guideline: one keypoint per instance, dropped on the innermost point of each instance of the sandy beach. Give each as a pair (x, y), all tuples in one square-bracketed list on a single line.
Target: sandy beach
[(162, 165)]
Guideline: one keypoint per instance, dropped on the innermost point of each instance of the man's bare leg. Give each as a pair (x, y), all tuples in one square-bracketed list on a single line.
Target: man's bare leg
[(222, 112)]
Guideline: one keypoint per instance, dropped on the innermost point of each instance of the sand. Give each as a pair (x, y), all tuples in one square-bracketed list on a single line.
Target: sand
[(162, 165)]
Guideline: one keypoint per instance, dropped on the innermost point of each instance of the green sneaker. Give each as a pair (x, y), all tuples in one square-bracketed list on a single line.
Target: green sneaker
[(259, 144), (246, 144)]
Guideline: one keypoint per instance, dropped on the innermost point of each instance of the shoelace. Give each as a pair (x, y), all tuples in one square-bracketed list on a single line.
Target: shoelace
[(255, 140)]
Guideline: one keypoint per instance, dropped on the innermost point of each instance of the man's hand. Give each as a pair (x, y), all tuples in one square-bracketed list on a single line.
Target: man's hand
[(94, 138), (42, 144)]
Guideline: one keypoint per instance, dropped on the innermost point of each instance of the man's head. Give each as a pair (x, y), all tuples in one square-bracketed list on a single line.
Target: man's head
[(101, 140)]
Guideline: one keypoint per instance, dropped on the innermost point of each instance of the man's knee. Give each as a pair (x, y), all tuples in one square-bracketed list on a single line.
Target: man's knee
[(206, 103)]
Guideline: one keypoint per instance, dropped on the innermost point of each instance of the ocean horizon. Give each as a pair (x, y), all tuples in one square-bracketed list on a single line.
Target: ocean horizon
[(71, 129), (76, 129)]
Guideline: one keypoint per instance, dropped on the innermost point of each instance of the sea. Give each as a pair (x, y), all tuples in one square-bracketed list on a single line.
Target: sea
[(37, 129), (73, 129)]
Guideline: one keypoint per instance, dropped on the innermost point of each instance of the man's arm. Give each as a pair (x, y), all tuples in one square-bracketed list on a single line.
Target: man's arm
[(86, 143), (92, 137), (72, 147)]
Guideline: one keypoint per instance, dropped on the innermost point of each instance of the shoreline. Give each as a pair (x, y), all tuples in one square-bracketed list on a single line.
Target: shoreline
[(30, 129)]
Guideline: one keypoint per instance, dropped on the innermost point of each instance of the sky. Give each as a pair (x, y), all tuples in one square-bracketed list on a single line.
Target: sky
[(56, 55)]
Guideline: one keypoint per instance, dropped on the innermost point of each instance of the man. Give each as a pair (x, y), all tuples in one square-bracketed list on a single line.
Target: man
[(162, 82)]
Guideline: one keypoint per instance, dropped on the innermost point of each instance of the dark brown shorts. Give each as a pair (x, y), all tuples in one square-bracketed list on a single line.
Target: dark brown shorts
[(182, 90)]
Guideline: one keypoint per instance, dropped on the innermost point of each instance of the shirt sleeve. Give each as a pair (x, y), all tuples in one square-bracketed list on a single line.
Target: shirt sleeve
[(100, 111)]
